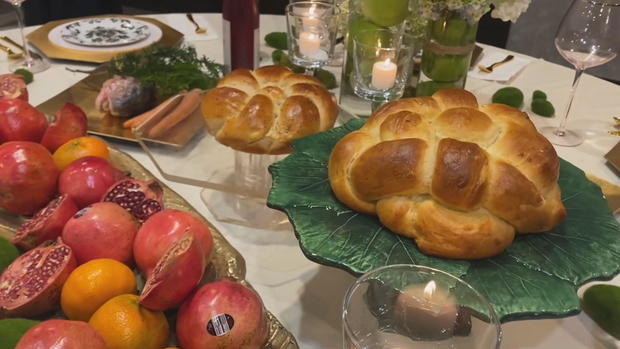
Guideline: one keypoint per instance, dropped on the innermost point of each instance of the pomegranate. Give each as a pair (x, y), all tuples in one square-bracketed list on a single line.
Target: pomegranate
[(19, 121), (222, 314), (162, 230), (61, 334), (70, 123), (101, 230), (28, 177), (86, 179), (140, 198), (176, 274), (13, 86), (31, 284), (46, 224)]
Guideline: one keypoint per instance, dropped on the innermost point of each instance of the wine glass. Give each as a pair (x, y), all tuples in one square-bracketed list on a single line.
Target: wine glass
[(32, 64), (312, 28), (588, 36)]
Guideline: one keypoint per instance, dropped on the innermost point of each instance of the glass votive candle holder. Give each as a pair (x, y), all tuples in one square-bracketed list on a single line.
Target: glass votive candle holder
[(410, 307), (382, 64), (312, 27)]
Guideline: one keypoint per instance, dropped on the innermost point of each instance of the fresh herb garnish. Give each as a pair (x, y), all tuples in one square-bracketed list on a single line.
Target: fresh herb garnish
[(168, 69)]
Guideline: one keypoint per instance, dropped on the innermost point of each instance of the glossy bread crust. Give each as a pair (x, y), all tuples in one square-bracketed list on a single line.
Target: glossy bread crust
[(459, 178), (262, 111)]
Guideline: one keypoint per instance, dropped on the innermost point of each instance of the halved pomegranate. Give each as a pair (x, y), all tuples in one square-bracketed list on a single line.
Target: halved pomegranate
[(46, 224), (140, 198), (13, 86), (31, 284), (178, 271), (161, 231)]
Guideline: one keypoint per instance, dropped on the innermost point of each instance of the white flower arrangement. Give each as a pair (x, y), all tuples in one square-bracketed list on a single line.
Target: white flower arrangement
[(506, 10)]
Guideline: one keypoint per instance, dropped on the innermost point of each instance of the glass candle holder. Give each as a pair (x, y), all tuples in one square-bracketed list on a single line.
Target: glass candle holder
[(382, 64), (410, 307), (312, 28)]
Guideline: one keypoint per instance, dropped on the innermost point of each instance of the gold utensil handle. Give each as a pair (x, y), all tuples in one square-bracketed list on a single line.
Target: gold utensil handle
[(198, 29), (12, 42), (489, 68)]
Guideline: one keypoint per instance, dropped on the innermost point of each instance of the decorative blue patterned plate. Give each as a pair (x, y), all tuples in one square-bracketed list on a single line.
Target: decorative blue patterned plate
[(105, 31)]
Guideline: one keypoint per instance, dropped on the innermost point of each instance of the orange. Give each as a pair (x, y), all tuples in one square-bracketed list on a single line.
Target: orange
[(92, 284), (78, 148), (125, 324)]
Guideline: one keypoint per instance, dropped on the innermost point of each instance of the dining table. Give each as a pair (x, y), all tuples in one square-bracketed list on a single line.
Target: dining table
[(307, 297)]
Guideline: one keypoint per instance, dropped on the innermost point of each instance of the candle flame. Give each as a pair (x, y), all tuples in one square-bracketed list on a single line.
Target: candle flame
[(429, 289)]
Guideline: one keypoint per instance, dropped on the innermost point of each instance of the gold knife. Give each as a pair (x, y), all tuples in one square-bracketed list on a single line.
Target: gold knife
[(10, 41)]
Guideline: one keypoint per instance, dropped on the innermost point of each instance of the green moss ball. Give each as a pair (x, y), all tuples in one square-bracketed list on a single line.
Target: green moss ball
[(511, 96)]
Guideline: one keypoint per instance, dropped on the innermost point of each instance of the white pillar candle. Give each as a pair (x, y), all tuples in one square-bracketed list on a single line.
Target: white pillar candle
[(427, 310), (309, 43), (383, 74)]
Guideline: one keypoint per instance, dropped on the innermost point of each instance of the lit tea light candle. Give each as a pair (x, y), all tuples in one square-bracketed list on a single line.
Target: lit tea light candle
[(427, 310), (309, 44), (383, 74)]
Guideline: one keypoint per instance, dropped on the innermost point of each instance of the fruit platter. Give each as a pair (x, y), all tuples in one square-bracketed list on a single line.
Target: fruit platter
[(96, 251)]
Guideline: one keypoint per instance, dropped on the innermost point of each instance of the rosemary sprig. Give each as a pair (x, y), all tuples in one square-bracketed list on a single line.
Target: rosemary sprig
[(168, 69)]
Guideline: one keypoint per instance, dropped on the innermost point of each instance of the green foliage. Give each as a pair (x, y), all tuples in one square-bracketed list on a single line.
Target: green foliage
[(542, 107), (8, 253), (538, 94), (602, 303), (277, 40), (168, 69), (11, 330), (511, 96), (26, 74)]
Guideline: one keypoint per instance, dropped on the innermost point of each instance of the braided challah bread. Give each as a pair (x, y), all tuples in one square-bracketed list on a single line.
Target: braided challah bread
[(457, 177), (261, 111)]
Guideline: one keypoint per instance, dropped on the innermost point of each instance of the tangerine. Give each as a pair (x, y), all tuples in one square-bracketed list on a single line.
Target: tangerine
[(94, 283)]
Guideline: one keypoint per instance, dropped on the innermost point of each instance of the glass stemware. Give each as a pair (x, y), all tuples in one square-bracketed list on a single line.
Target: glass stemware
[(34, 65), (312, 28), (588, 36)]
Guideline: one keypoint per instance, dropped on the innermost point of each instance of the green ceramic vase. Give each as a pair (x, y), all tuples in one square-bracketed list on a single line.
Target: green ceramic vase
[(447, 51)]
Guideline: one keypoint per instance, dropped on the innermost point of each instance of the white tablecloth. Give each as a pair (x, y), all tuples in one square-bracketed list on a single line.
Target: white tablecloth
[(307, 297)]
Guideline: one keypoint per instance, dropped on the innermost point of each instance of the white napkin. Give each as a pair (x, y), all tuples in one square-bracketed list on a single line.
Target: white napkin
[(504, 72), (180, 22)]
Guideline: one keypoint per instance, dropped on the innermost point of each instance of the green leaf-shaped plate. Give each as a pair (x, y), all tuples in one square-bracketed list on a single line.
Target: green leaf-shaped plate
[(536, 277)]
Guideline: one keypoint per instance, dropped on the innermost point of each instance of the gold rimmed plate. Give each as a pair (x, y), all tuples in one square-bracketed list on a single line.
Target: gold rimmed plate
[(48, 40)]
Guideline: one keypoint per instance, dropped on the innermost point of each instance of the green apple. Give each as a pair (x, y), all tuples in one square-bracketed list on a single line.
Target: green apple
[(8, 253), (443, 67), (602, 303), (453, 32), (385, 13)]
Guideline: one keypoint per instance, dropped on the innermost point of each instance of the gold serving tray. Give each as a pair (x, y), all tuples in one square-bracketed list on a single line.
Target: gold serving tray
[(39, 38), (83, 94), (225, 260)]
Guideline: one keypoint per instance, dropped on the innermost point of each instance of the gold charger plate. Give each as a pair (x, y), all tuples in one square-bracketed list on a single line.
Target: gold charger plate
[(83, 94), (39, 38), (225, 261)]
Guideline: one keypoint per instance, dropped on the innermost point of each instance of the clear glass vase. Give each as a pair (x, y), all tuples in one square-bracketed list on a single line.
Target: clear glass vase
[(365, 15), (446, 55)]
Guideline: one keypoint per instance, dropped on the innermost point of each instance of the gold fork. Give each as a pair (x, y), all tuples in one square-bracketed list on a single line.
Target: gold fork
[(10, 41), (198, 30), (489, 68), (11, 54)]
